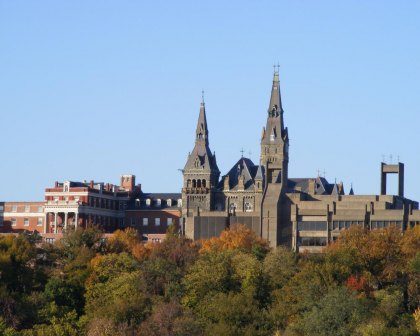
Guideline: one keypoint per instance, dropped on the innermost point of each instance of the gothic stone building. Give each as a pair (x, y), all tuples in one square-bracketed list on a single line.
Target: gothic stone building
[(302, 213)]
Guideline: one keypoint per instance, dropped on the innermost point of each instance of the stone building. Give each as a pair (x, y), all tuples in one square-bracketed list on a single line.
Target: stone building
[(302, 213)]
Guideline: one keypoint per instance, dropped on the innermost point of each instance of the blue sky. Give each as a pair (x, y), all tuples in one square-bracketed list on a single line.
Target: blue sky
[(96, 89)]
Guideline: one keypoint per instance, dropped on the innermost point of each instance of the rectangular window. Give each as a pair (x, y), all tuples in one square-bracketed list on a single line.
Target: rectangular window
[(169, 221), (50, 240), (39, 221), (26, 221), (1, 221), (14, 208), (1, 207), (13, 221), (157, 221), (145, 221), (27, 208), (40, 209)]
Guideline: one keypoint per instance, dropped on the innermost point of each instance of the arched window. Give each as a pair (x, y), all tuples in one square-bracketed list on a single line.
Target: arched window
[(198, 183), (188, 183), (204, 183), (137, 203), (194, 184), (232, 208), (179, 203), (148, 202), (169, 202), (248, 207), (158, 202)]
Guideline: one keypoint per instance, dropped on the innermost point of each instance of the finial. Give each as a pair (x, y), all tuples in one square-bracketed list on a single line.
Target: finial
[(202, 97), (242, 152)]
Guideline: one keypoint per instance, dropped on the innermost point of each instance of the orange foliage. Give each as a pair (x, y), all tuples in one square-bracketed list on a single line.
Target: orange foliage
[(142, 251), (237, 237)]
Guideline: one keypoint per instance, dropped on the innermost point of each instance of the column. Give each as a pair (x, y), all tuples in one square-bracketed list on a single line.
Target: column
[(45, 222), (76, 220), (55, 221), (66, 214)]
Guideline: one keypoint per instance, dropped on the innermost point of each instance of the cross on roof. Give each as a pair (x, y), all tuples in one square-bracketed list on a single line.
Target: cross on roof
[(242, 152)]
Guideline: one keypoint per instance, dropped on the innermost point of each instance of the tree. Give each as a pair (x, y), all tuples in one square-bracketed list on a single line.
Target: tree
[(170, 319), (123, 241), (239, 237), (338, 313)]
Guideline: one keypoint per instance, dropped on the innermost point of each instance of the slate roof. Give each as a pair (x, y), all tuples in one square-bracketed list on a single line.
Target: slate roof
[(246, 168)]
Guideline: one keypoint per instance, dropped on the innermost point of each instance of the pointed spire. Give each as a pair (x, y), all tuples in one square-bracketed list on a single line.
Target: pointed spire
[(202, 132), (351, 192), (275, 108)]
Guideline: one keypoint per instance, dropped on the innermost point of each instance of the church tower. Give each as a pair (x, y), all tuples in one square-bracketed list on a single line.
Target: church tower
[(201, 174), (275, 140), (275, 160)]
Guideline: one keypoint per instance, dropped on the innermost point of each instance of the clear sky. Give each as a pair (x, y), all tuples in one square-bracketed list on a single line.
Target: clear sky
[(96, 89)]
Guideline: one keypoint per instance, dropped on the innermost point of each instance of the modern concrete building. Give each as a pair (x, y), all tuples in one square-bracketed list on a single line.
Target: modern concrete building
[(302, 213)]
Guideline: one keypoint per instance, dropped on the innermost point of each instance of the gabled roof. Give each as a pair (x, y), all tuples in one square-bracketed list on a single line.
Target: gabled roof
[(246, 168)]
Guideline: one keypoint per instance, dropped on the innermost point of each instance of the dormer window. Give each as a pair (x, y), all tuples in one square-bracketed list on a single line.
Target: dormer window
[(148, 202), (158, 202), (169, 202), (179, 203), (137, 203)]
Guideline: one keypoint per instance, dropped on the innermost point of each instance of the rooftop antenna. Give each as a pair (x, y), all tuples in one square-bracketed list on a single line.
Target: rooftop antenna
[(242, 152), (324, 173), (318, 172), (390, 158)]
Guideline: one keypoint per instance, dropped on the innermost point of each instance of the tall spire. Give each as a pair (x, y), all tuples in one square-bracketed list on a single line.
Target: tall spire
[(275, 108), (202, 131)]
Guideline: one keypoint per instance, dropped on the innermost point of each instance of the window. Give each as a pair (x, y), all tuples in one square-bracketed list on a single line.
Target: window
[(27, 208), (248, 207), (39, 221), (157, 221), (148, 202), (40, 209), (145, 221), (137, 203), (169, 202), (158, 202), (312, 226), (179, 203), (1, 207), (26, 221), (312, 241), (13, 221), (169, 221), (1, 221), (50, 240), (232, 207), (14, 208)]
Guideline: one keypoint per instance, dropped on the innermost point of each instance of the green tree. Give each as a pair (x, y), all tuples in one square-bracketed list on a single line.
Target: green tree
[(338, 313)]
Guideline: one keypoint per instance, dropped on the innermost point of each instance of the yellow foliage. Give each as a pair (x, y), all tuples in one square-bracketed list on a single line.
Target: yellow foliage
[(123, 240), (237, 237), (416, 316)]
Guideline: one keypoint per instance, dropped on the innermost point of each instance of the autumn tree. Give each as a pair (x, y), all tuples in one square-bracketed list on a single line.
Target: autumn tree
[(237, 237)]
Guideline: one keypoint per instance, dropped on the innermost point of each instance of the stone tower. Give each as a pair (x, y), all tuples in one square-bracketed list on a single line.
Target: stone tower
[(275, 160), (201, 174)]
